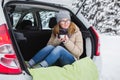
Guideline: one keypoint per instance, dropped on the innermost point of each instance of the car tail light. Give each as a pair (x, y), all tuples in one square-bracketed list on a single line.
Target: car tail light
[(97, 40), (8, 61)]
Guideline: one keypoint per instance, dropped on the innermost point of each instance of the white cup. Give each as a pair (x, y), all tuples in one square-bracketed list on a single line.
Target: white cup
[(62, 36)]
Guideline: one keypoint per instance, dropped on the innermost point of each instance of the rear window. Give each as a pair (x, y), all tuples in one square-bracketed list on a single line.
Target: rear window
[(16, 17), (39, 17), (45, 18)]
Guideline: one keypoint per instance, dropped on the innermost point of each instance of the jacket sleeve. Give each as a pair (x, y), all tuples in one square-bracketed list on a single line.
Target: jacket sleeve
[(76, 48), (53, 41)]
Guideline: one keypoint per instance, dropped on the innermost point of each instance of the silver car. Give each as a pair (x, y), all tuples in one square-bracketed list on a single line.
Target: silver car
[(24, 24)]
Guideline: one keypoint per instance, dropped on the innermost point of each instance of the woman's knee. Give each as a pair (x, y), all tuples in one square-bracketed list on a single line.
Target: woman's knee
[(50, 46), (59, 48)]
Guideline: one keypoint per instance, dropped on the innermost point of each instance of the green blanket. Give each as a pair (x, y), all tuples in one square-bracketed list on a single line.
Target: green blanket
[(83, 69)]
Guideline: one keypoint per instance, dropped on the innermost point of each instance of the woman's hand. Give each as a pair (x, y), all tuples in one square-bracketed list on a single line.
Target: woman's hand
[(64, 38), (57, 38)]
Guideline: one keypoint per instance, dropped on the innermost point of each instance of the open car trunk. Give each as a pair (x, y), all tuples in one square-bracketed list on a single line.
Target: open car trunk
[(32, 27)]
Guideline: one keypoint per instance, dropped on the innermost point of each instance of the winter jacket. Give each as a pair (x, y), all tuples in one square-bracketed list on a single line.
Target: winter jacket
[(74, 45)]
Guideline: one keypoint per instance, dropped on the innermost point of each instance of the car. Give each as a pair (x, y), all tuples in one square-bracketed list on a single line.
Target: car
[(25, 28)]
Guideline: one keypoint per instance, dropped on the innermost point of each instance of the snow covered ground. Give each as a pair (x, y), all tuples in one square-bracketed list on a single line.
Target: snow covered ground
[(110, 55)]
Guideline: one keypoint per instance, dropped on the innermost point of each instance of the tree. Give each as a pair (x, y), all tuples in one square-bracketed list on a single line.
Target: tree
[(103, 14)]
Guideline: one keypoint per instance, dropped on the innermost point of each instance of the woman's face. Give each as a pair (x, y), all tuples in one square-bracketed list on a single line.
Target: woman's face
[(65, 23)]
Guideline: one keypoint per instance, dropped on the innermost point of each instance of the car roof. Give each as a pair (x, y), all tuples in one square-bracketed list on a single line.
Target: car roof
[(56, 3), (64, 3), (61, 2)]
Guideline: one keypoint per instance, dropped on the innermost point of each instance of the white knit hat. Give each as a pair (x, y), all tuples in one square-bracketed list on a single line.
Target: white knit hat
[(62, 14)]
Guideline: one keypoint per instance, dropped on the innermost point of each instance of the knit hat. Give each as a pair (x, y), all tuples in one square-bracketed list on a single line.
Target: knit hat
[(62, 14)]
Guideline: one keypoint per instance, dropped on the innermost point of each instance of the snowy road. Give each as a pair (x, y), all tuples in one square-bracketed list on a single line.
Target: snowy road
[(110, 54)]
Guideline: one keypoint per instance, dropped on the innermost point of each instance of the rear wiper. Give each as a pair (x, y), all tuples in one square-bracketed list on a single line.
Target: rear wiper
[(80, 6), (2, 3)]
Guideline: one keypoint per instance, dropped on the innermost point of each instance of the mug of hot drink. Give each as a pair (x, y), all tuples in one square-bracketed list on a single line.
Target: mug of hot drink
[(62, 36)]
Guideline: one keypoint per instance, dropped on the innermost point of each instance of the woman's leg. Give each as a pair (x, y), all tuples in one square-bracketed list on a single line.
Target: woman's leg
[(41, 55), (58, 53)]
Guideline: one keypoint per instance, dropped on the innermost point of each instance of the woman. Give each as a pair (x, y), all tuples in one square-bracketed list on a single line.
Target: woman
[(65, 44)]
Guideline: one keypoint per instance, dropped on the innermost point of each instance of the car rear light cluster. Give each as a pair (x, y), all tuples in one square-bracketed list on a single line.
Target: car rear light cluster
[(8, 61), (97, 53)]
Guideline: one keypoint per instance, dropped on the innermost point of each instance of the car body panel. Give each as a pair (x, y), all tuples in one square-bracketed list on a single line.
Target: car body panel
[(2, 19), (23, 76)]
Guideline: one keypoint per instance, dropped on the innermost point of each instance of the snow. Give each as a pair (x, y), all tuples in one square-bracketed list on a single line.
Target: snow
[(110, 46)]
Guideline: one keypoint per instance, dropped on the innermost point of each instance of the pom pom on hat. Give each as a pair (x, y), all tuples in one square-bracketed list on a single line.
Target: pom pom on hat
[(62, 14)]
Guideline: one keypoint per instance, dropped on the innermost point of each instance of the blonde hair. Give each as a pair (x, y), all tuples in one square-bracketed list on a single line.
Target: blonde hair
[(71, 29)]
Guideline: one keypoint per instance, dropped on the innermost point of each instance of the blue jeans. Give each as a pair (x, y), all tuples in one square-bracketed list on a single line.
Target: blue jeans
[(50, 54)]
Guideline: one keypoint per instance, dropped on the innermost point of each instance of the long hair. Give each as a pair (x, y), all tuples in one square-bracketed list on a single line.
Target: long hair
[(71, 29)]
